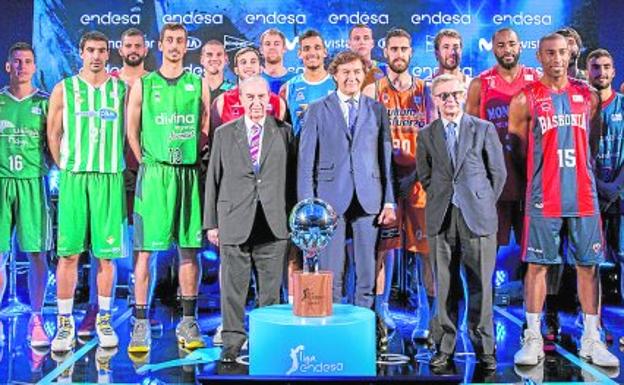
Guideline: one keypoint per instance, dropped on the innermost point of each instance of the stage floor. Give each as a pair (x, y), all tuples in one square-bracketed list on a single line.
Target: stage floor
[(88, 364)]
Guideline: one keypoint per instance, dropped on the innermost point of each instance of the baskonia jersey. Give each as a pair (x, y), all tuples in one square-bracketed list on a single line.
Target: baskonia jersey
[(302, 92), (496, 95), (560, 182), (408, 112), (93, 126), (23, 135), (610, 156), (171, 119), (276, 82), (233, 109)]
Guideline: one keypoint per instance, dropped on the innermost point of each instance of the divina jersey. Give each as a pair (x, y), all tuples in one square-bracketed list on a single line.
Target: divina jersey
[(560, 182), (233, 109), (302, 92), (171, 117), (275, 83), (496, 95), (408, 112), (610, 157), (93, 126), (23, 135)]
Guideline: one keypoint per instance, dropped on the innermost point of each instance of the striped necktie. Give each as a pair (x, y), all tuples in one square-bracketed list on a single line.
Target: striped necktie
[(254, 146)]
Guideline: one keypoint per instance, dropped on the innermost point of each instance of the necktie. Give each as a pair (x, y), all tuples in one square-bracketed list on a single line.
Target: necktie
[(451, 141), (254, 146), (352, 114)]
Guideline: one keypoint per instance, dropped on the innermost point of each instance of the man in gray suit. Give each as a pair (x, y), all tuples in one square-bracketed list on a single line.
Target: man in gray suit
[(247, 197), (344, 159), (460, 164)]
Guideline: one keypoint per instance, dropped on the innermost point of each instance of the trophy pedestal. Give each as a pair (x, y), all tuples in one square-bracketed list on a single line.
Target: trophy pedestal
[(312, 294), (282, 344)]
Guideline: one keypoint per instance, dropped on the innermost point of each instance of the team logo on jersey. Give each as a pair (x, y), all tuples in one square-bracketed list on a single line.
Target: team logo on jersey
[(596, 247), (157, 97), (539, 205), (545, 106), (300, 96), (529, 77), (417, 99), (35, 110), (385, 98), (492, 82), (189, 87), (107, 114), (616, 117), (577, 98), (6, 124), (110, 240)]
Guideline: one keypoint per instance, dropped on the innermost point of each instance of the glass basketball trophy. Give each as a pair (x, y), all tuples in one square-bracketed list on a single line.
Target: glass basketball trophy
[(312, 224)]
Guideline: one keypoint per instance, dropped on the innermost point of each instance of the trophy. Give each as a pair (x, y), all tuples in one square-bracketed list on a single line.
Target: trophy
[(312, 224)]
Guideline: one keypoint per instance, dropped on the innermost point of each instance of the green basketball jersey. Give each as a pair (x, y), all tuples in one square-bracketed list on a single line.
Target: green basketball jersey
[(93, 126), (170, 126), (23, 135)]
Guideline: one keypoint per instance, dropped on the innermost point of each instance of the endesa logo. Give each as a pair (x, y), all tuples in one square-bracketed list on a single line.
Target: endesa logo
[(441, 18), (111, 18), (522, 19), (275, 18), (358, 18), (194, 17), (193, 43)]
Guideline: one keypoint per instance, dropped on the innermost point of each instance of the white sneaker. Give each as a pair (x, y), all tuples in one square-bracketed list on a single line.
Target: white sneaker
[(65, 338), (106, 335), (532, 350), (595, 351), (217, 339)]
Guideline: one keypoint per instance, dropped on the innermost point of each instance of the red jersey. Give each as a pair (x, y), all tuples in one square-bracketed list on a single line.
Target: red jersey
[(560, 181), (233, 109), (496, 95)]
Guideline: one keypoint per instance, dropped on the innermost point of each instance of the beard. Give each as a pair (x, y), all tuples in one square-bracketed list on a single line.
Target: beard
[(505, 65), (452, 66), (398, 68), (601, 86), (273, 60), (133, 63)]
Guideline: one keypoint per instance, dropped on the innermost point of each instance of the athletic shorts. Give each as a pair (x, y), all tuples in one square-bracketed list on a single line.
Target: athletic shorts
[(543, 236), (410, 224), (167, 207), (92, 212), (24, 207), (510, 215)]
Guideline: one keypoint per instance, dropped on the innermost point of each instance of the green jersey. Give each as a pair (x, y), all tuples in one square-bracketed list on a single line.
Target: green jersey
[(170, 119), (93, 126), (23, 135)]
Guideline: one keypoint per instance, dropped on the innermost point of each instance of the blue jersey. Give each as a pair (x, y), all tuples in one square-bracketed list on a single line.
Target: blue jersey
[(610, 156), (302, 92), (275, 83)]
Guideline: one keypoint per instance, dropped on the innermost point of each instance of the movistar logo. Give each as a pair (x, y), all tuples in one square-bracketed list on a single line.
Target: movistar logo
[(485, 45), (165, 119)]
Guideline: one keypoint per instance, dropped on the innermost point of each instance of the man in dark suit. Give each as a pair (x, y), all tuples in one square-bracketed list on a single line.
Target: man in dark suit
[(460, 164), (247, 187), (344, 159)]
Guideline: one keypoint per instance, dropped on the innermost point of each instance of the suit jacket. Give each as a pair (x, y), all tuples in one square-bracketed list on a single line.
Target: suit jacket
[(233, 189), (334, 165), (477, 179)]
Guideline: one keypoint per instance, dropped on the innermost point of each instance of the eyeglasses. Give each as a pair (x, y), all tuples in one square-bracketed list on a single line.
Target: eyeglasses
[(446, 95)]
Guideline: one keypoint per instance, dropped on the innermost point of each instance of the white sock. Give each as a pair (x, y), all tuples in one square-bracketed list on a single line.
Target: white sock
[(104, 303), (65, 306), (591, 323), (533, 322)]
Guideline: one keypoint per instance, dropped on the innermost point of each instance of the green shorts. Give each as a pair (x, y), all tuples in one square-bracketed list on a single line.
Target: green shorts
[(92, 211), (24, 206), (167, 207)]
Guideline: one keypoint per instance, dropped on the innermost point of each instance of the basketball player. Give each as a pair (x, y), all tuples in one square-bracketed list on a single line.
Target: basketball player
[(448, 45), (86, 138), (361, 41), (168, 110), (553, 120), (314, 83), (23, 165), (214, 59), (273, 49), (409, 105)]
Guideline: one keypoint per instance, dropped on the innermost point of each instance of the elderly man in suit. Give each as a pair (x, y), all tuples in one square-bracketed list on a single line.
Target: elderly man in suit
[(344, 159), (460, 164), (247, 198)]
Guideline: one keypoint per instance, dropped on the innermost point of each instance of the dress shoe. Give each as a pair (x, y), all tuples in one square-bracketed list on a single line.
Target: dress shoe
[(382, 336), (229, 355), (440, 359), (488, 361)]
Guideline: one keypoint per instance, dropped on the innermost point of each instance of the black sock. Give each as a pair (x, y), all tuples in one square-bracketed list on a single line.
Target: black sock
[(189, 306), (140, 311), (552, 304)]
